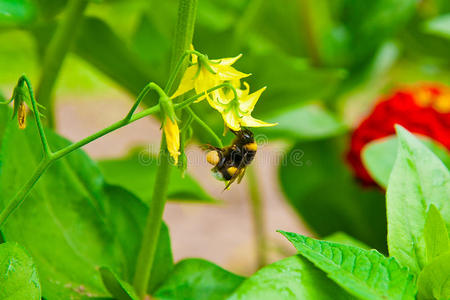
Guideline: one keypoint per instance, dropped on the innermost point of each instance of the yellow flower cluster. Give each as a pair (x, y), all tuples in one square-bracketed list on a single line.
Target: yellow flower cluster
[(233, 103)]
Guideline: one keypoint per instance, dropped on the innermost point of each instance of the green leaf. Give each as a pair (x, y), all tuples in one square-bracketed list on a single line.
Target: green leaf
[(118, 288), (18, 274), (72, 217), (379, 157), (289, 279), (369, 24), (198, 279), (16, 12), (127, 214), (418, 180), (148, 39), (363, 273), (292, 82), (343, 238), (434, 280), (101, 47), (437, 241), (318, 184), (137, 172), (308, 122), (439, 26), (50, 8)]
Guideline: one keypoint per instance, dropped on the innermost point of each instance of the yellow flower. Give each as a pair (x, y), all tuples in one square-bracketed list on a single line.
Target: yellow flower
[(237, 112), (172, 133), (205, 74)]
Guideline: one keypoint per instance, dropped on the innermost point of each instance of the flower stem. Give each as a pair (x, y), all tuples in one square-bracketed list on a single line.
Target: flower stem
[(312, 43), (205, 126), (257, 218), (56, 52), (53, 156), (37, 117), (183, 39)]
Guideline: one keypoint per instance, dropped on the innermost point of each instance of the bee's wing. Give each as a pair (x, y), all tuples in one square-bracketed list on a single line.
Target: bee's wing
[(241, 174), (210, 147), (238, 174)]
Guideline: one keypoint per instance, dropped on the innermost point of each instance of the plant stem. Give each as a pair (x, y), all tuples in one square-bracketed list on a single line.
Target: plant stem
[(37, 117), (205, 126), (257, 217), (56, 52), (184, 32), (24, 191), (310, 34), (153, 224), (183, 39)]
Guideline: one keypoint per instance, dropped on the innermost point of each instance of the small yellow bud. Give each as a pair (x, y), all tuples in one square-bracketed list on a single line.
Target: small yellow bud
[(22, 116), (172, 133)]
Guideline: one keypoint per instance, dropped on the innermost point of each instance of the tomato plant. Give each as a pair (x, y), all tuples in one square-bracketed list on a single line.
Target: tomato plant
[(357, 93)]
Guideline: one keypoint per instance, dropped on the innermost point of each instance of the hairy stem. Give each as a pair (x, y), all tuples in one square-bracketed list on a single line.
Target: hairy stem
[(37, 117), (257, 218), (153, 224), (312, 43), (53, 156), (56, 52), (183, 39)]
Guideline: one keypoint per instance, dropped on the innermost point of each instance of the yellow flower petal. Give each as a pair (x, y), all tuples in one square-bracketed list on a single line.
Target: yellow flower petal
[(227, 61), (247, 104), (187, 81), (172, 134), (194, 58), (213, 101), (205, 81), (249, 121), (226, 73), (231, 120)]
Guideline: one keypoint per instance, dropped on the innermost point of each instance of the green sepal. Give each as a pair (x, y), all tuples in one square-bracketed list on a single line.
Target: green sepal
[(204, 62), (20, 95), (185, 137), (167, 108)]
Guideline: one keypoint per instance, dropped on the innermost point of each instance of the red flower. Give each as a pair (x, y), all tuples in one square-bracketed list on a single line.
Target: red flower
[(423, 109)]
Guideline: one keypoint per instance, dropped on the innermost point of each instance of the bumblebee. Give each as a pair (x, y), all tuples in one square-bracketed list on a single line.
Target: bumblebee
[(230, 162)]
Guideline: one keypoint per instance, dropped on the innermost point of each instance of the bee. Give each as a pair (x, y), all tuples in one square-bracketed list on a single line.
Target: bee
[(230, 162)]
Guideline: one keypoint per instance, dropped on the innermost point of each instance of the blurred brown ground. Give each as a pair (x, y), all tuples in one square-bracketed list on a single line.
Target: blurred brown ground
[(221, 233)]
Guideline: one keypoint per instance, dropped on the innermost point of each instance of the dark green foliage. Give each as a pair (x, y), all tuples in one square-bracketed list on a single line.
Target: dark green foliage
[(72, 223), (137, 174), (198, 279), (320, 187)]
